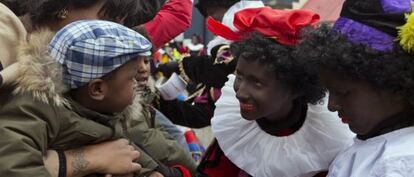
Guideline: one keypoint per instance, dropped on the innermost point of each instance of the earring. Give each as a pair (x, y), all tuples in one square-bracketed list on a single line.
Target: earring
[(63, 14)]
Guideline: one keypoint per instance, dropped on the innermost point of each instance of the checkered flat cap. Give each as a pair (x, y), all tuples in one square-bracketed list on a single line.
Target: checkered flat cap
[(90, 49)]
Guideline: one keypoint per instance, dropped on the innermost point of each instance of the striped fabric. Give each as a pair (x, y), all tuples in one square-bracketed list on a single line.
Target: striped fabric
[(90, 49)]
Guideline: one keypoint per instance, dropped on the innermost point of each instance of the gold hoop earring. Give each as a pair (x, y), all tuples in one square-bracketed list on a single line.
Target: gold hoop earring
[(63, 14)]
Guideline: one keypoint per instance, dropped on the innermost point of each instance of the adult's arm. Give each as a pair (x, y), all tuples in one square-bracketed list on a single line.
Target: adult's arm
[(201, 69), (114, 157), (187, 114), (24, 130)]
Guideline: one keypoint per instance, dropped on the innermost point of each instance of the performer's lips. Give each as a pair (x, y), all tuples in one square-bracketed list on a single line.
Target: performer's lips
[(247, 107), (344, 119)]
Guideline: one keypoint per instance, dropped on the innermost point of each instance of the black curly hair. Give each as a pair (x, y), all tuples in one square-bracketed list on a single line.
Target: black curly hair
[(279, 59), (203, 5), (20, 7), (135, 12), (391, 71)]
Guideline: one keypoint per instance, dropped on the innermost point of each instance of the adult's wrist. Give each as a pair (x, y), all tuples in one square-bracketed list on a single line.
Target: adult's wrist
[(78, 163)]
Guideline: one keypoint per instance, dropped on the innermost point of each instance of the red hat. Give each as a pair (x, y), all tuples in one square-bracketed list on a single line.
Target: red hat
[(283, 25)]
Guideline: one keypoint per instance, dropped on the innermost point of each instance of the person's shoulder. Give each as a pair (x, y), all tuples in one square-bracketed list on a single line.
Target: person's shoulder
[(26, 100), (26, 105), (396, 165), (399, 143)]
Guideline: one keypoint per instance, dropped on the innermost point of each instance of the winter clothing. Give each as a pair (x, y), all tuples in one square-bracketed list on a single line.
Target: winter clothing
[(41, 117), (172, 129), (143, 127)]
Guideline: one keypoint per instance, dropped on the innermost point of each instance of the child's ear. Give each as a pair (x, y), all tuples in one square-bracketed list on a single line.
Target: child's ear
[(97, 89)]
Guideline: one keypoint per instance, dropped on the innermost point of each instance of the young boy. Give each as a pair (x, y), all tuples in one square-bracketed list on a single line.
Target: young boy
[(71, 96)]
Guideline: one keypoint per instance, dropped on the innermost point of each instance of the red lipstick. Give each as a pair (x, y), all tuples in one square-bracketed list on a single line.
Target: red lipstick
[(345, 120), (247, 107)]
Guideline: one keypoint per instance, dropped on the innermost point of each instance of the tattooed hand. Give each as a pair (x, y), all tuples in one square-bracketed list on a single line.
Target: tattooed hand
[(112, 157)]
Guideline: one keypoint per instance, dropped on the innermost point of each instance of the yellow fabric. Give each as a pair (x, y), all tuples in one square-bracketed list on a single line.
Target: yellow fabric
[(406, 34)]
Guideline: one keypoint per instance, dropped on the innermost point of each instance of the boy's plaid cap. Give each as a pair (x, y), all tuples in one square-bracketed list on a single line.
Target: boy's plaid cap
[(90, 49)]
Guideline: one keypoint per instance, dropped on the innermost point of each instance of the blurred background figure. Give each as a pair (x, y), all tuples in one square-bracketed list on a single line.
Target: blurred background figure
[(196, 47)]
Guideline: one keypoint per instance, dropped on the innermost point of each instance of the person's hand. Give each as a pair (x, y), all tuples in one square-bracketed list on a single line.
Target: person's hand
[(168, 68), (156, 174), (113, 157)]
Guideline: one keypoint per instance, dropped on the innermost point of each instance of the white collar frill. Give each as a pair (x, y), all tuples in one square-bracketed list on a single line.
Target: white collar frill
[(306, 152)]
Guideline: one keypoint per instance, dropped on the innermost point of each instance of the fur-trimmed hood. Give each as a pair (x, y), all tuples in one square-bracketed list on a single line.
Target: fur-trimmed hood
[(40, 76)]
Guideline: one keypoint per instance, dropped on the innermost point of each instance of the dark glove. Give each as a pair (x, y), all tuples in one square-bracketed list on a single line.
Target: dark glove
[(168, 68)]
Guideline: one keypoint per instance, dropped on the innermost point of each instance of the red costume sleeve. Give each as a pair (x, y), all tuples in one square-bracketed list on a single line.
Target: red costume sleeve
[(173, 19)]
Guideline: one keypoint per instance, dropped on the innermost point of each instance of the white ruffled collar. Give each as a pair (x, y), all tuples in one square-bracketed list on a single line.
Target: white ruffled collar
[(306, 152)]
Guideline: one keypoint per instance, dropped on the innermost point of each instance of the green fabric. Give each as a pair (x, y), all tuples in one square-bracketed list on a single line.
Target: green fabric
[(146, 130), (29, 127)]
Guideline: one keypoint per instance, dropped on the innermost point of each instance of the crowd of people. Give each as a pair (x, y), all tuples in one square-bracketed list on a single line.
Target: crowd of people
[(285, 94)]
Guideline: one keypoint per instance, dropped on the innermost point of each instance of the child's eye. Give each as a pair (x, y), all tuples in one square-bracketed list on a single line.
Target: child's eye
[(147, 60)]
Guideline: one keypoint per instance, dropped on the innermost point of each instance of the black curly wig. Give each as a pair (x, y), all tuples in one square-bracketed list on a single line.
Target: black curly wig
[(278, 58), (391, 71), (203, 5)]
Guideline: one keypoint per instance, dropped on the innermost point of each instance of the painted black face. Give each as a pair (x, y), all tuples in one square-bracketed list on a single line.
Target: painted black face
[(361, 105), (260, 94)]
